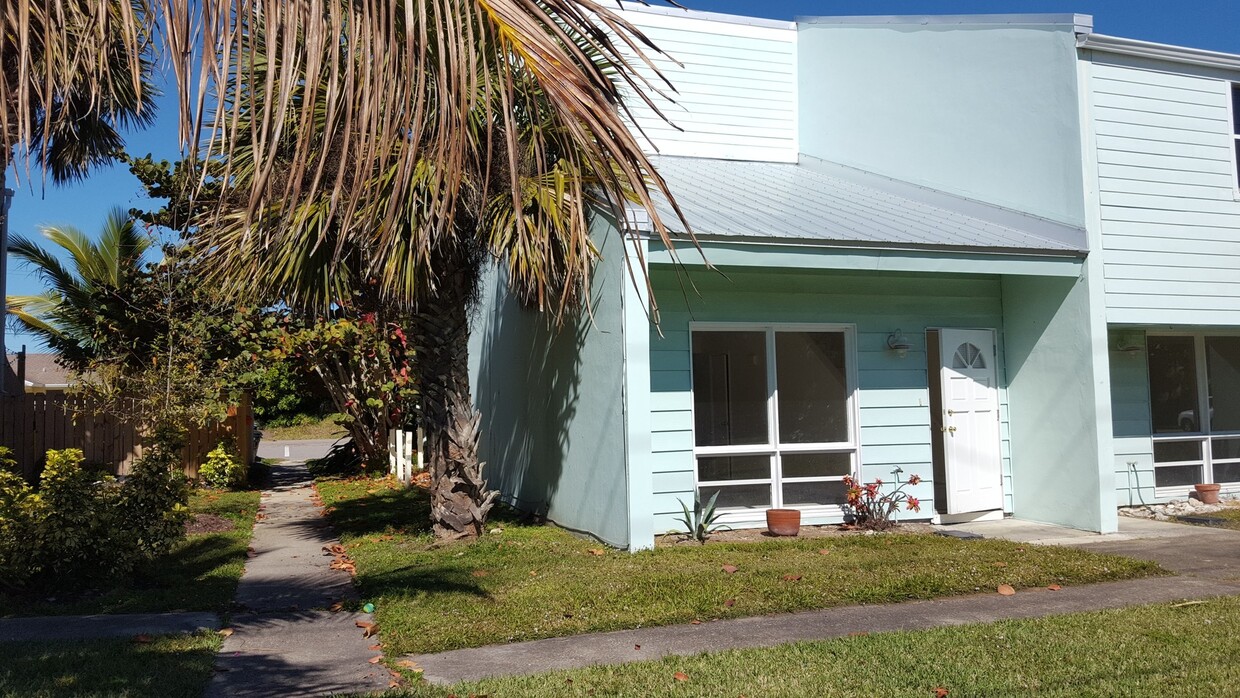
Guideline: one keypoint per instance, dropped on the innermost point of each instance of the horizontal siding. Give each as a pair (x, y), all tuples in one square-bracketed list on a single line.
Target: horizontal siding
[(893, 397), (1169, 210), (734, 90)]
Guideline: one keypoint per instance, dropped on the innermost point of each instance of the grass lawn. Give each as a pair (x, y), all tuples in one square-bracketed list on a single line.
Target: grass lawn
[(539, 581), (1161, 650), (172, 665), (322, 429), (1232, 514), (199, 574)]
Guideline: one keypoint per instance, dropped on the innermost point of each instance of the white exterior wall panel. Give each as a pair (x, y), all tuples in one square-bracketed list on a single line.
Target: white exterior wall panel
[(1167, 190), (735, 87)]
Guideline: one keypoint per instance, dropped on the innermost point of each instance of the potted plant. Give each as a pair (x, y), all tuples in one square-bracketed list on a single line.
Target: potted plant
[(1207, 493), (783, 522)]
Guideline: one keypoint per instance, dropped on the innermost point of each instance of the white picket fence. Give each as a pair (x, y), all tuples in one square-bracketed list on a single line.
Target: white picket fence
[(405, 454)]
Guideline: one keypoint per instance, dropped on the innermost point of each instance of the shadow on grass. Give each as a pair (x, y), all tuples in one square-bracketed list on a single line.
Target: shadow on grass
[(383, 509), (167, 666)]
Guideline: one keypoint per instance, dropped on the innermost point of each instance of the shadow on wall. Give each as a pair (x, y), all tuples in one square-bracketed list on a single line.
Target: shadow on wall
[(527, 387)]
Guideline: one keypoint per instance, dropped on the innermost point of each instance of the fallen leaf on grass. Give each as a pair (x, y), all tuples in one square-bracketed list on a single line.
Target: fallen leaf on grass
[(143, 639), (824, 551), (337, 607), (1054, 587), (792, 577), (729, 603), (480, 573), (533, 573), (367, 627), (597, 552), (225, 632), (1000, 564), (409, 664), (1006, 590), (940, 692), (375, 659), (730, 569), (695, 622), (680, 676)]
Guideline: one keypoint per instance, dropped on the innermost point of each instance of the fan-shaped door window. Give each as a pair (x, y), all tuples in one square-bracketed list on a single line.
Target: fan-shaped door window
[(968, 356)]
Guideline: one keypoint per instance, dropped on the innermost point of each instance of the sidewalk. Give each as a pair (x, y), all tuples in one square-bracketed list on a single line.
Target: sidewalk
[(1174, 546), (285, 642)]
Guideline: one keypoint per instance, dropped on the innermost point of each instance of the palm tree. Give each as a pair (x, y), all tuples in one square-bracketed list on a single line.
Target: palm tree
[(88, 300), (394, 145)]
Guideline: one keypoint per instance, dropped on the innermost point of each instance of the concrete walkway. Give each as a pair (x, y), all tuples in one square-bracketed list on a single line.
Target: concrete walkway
[(285, 642), (1177, 547), (100, 627)]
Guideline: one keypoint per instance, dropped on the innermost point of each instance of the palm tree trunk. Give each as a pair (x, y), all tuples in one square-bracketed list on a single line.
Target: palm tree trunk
[(460, 500)]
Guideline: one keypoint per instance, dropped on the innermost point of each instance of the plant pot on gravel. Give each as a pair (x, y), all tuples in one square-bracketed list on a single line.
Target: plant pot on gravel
[(783, 522), (1207, 493)]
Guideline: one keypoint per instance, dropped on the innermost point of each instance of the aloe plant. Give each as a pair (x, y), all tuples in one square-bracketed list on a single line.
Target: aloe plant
[(702, 522)]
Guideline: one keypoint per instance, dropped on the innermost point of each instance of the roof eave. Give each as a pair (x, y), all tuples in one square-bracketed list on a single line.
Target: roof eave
[(875, 246), (1080, 23), (1156, 51)]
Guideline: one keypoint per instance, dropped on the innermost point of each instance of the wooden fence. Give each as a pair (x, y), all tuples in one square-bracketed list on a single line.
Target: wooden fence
[(34, 423)]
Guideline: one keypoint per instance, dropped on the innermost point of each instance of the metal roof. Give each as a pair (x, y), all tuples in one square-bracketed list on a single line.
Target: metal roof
[(817, 201)]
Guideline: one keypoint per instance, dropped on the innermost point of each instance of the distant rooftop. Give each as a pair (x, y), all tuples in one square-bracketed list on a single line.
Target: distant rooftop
[(42, 371), (825, 202)]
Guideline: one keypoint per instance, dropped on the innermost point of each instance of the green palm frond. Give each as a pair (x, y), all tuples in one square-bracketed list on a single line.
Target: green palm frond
[(85, 292)]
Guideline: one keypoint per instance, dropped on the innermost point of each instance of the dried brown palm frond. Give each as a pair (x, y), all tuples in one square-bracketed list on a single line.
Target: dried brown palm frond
[(356, 116)]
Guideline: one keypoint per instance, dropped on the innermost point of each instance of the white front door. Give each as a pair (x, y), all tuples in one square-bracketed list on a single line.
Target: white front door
[(971, 421)]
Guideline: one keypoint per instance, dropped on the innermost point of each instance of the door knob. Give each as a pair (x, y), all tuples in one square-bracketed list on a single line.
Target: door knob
[(951, 430)]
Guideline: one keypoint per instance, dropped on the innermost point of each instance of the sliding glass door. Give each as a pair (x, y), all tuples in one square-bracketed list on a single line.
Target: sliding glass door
[(1194, 382), (774, 415)]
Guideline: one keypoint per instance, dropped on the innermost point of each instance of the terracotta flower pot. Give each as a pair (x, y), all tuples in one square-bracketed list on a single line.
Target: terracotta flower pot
[(1208, 494), (783, 522)]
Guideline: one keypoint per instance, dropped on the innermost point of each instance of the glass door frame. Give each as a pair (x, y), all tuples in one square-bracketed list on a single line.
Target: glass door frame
[(773, 448), (1204, 436)]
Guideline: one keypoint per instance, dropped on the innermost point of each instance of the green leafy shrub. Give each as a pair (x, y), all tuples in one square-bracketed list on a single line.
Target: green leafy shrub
[(223, 470), (78, 528), (20, 511), (76, 524), (153, 505)]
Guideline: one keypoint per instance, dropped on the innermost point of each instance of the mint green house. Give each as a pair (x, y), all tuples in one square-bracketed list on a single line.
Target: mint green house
[(999, 252)]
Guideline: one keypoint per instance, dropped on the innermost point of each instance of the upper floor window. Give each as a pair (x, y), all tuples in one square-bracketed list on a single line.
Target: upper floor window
[(1235, 128)]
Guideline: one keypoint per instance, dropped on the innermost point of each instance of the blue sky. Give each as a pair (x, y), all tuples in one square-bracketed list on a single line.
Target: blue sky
[(1210, 24)]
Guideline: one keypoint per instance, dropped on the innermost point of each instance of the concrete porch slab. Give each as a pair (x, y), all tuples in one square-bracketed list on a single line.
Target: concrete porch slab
[(1198, 551)]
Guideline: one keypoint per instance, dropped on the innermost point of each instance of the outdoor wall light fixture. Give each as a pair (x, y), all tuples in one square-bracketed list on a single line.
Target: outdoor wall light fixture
[(897, 342)]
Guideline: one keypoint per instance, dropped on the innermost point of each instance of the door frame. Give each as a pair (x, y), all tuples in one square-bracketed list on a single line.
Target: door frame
[(938, 445)]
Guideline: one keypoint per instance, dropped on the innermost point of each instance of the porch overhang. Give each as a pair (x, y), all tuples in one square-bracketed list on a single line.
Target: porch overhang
[(790, 254)]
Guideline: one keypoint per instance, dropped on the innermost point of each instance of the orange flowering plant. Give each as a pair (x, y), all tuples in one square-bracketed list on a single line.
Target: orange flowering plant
[(876, 510)]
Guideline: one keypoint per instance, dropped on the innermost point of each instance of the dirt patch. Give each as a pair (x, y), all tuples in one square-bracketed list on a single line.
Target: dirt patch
[(208, 523), (755, 535)]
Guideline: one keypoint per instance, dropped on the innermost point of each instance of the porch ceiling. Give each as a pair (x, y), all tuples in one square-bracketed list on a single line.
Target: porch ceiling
[(817, 201)]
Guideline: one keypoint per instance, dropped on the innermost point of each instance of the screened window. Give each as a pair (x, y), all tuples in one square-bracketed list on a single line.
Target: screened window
[(773, 416), (1235, 129), (1194, 383)]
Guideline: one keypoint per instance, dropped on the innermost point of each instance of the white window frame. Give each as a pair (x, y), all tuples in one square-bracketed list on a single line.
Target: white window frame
[(1205, 435), (772, 448), (1232, 116)]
